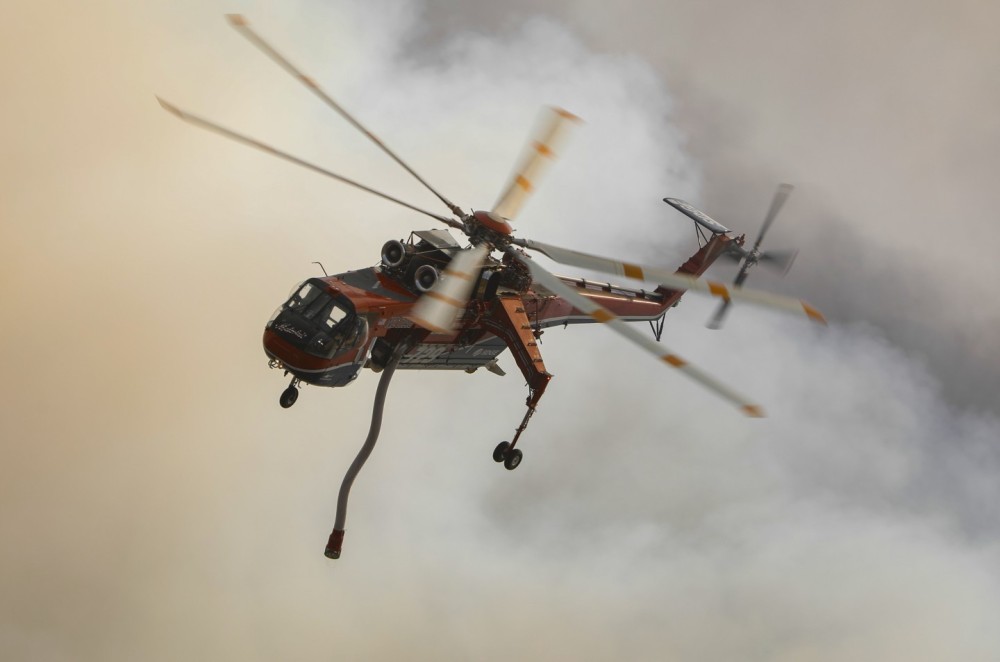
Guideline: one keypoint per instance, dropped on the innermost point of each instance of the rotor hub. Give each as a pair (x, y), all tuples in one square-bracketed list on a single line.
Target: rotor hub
[(494, 222), (489, 228)]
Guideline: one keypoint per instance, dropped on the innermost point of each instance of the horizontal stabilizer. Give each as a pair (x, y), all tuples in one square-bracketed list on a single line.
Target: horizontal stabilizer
[(698, 216)]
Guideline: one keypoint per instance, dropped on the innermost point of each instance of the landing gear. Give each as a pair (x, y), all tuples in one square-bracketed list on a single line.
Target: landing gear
[(509, 320), (505, 451), (289, 395), (511, 457)]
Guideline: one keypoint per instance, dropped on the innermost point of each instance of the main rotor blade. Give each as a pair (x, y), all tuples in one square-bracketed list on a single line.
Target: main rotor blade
[(784, 190), (603, 315), (438, 309), (211, 126), (541, 151), (671, 279), (243, 27)]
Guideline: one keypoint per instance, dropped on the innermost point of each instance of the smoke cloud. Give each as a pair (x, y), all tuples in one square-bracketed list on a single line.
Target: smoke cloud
[(158, 504), (880, 116)]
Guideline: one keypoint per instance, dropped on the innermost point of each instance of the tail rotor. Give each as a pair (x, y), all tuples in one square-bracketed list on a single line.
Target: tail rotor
[(780, 260)]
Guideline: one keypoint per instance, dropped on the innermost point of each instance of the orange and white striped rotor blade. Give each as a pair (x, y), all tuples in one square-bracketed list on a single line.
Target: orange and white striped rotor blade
[(439, 308), (541, 151), (241, 25), (603, 315), (673, 280)]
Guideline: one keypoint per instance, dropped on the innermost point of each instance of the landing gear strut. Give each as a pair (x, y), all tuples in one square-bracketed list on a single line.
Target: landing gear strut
[(511, 323), (505, 451), (290, 394)]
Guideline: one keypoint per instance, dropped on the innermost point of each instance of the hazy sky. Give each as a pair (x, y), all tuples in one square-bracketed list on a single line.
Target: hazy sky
[(157, 504)]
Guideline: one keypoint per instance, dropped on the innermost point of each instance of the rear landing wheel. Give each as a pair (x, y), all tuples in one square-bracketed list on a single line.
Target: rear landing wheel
[(500, 451), (288, 397), (513, 459)]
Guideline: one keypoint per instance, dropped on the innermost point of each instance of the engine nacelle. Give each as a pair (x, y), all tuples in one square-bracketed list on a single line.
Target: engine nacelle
[(394, 254), (425, 277)]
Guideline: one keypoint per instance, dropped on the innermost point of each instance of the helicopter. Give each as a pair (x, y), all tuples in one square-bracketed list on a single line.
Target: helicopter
[(432, 303)]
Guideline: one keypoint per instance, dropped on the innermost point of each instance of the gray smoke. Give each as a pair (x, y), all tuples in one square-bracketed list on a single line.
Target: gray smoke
[(884, 119)]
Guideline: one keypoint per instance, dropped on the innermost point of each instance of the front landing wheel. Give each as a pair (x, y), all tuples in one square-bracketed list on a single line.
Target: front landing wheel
[(500, 451), (288, 397)]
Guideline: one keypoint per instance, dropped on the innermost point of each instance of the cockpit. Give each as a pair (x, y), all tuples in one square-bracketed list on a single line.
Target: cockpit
[(318, 322)]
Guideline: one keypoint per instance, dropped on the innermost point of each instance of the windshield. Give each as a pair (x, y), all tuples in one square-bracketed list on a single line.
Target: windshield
[(317, 306), (318, 322)]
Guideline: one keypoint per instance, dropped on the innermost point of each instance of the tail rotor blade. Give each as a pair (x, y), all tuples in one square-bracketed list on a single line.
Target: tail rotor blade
[(246, 140), (720, 315), (733, 256), (603, 315), (780, 196), (778, 260), (243, 27), (542, 150), (438, 309), (723, 309), (742, 275)]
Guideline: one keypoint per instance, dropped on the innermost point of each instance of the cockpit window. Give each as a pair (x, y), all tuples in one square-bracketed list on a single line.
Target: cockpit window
[(319, 322), (335, 315), (304, 296), (313, 304)]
